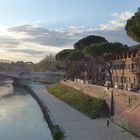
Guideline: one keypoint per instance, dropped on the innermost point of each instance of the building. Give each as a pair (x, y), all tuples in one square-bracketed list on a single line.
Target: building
[(126, 69), (90, 71)]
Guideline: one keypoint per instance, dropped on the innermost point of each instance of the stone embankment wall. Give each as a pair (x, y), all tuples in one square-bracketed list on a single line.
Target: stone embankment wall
[(126, 104), (45, 111)]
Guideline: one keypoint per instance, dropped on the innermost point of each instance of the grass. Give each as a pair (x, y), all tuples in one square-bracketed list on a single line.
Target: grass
[(91, 106)]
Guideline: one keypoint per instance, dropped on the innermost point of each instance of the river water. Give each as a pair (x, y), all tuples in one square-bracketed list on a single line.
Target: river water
[(20, 116)]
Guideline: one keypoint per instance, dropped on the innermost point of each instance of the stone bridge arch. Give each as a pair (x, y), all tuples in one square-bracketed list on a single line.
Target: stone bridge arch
[(19, 79)]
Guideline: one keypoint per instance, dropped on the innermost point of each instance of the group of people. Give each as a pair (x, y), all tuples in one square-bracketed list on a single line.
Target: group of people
[(128, 87)]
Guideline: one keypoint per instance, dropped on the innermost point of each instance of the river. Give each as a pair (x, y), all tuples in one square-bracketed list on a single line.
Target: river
[(20, 116)]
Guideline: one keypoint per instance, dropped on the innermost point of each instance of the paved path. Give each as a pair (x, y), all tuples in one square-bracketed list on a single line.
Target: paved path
[(76, 125)]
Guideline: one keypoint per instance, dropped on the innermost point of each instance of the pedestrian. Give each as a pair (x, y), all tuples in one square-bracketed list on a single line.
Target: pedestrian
[(129, 101), (107, 123), (107, 86)]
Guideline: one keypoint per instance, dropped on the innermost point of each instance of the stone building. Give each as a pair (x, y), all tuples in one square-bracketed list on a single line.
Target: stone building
[(126, 69)]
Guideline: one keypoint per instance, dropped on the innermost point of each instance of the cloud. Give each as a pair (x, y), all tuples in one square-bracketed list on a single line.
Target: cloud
[(6, 42), (116, 36), (118, 22), (43, 36), (66, 37), (27, 51), (36, 40)]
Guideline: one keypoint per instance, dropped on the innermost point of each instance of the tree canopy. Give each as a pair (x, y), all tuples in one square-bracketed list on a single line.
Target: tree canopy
[(133, 26), (107, 48), (75, 56), (63, 54), (103, 54), (48, 63), (87, 41)]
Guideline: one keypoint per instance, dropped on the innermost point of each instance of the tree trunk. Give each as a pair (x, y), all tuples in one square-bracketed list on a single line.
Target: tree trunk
[(110, 77)]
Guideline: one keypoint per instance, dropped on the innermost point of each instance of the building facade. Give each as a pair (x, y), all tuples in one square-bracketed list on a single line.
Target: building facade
[(126, 69)]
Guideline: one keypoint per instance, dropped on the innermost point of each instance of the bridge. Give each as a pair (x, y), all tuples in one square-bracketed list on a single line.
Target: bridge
[(47, 77), (19, 79), (24, 78), (21, 74)]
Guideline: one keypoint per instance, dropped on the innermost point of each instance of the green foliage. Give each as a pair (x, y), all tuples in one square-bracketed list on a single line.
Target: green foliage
[(72, 71), (57, 133), (91, 106), (103, 54), (87, 41), (107, 48), (61, 56), (48, 63), (133, 26), (75, 56)]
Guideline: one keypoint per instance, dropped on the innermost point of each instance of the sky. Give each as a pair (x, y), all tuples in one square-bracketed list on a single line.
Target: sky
[(31, 29)]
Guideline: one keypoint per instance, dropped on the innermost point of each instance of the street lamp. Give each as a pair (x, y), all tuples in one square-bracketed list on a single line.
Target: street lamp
[(112, 104)]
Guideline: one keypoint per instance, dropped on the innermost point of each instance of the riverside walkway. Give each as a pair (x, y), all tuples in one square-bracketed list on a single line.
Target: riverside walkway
[(77, 126)]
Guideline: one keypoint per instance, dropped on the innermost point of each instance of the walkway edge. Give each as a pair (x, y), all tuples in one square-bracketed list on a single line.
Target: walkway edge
[(45, 112)]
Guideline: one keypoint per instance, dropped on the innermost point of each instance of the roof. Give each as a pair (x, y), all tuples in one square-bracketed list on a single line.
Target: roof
[(135, 47)]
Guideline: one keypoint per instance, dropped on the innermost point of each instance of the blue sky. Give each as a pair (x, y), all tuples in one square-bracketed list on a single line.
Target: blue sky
[(30, 29)]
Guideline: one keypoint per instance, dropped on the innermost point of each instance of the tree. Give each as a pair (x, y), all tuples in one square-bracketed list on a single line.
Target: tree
[(74, 58), (103, 55), (48, 63), (61, 56), (133, 26), (87, 41)]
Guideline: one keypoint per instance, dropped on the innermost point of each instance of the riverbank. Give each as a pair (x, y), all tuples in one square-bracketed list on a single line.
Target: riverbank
[(91, 106), (55, 130), (77, 126)]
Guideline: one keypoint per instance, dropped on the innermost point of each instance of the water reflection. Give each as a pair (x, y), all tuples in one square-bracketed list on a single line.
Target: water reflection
[(20, 116)]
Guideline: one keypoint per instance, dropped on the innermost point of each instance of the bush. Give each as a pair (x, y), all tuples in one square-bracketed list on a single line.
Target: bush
[(57, 133), (91, 106)]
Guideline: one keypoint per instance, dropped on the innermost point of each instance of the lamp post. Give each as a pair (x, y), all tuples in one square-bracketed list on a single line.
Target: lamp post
[(112, 104)]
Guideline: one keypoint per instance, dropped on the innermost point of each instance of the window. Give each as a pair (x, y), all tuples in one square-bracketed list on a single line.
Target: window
[(132, 65), (129, 54), (134, 53), (134, 80), (114, 57), (121, 79), (117, 78), (125, 79), (117, 56), (125, 55), (129, 66), (122, 66), (121, 56), (118, 66), (129, 79)]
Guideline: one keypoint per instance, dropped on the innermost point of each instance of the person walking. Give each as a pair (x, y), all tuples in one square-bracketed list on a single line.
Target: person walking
[(107, 123)]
